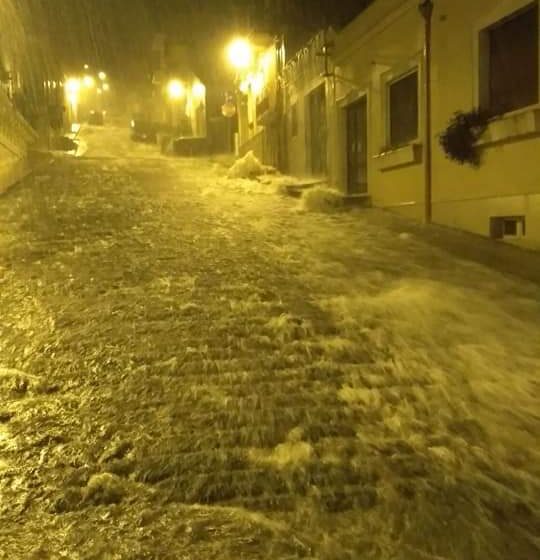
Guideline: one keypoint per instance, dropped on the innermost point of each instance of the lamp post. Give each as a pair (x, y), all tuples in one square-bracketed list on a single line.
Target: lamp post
[(240, 54), (426, 10)]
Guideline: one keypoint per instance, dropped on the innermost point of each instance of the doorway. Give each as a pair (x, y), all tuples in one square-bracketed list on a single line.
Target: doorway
[(316, 107), (357, 155)]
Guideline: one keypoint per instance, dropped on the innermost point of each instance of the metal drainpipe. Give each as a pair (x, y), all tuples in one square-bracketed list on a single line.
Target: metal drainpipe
[(280, 101), (426, 10)]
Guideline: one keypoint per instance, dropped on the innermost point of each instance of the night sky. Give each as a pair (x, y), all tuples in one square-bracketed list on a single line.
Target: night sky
[(116, 34)]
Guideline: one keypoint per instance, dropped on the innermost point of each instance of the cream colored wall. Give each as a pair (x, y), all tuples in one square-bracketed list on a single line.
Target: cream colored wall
[(302, 81), (508, 181), (388, 37), (296, 145), (16, 137), (390, 47)]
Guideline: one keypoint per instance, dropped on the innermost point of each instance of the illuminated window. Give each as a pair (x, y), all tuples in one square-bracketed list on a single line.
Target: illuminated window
[(294, 119), (403, 110), (509, 62)]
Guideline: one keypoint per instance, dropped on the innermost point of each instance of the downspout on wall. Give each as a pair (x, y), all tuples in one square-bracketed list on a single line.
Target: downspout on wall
[(426, 10)]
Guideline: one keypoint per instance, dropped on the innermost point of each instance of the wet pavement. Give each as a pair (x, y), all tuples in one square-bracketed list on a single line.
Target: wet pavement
[(196, 367)]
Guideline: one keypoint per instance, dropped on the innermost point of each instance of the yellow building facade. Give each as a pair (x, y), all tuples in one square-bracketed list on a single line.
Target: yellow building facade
[(484, 54)]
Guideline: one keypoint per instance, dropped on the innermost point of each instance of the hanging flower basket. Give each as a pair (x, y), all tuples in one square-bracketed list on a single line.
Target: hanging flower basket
[(459, 139)]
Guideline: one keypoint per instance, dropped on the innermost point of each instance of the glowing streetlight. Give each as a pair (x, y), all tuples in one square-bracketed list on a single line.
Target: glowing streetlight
[(102, 76), (88, 81), (86, 66), (240, 53), (198, 89), (73, 85), (106, 87), (175, 89)]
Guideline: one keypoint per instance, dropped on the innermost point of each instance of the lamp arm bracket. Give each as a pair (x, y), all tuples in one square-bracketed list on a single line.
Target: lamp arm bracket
[(343, 79)]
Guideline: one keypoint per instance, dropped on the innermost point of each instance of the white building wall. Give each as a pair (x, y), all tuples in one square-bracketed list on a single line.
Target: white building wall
[(16, 136)]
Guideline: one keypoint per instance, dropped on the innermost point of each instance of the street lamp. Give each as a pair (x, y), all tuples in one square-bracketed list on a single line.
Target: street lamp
[(102, 76), (73, 87), (175, 89), (240, 54), (88, 81), (199, 90)]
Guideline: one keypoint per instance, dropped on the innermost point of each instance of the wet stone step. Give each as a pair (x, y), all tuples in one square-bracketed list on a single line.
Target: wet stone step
[(285, 417), (223, 486), (346, 498)]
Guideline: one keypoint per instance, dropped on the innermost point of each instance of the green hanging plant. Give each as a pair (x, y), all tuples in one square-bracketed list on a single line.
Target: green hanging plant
[(461, 135)]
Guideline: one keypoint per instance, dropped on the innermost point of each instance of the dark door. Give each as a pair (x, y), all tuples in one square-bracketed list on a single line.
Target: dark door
[(317, 130), (357, 147)]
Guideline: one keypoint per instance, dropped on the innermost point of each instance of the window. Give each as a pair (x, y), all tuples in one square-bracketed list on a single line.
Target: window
[(403, 110), (294, 119), (502, 227), (509, 62)]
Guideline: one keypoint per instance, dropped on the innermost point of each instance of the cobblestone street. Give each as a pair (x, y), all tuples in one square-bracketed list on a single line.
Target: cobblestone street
[(197, 367)]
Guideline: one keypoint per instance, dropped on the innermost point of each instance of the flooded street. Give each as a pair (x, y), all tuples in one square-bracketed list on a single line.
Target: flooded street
[(197, 367)]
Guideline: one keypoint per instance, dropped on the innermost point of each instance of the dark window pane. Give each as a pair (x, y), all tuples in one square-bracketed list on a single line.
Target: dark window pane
[(510, 227), (513, 62), (404, 110)]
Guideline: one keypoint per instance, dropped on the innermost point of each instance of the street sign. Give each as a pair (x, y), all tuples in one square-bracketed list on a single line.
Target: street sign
[(228, 109)]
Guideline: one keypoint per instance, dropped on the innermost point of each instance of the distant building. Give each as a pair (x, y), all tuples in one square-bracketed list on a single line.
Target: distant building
[(309, 98), (31, 94), (269, 95), (259, 102), (178, 96)]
